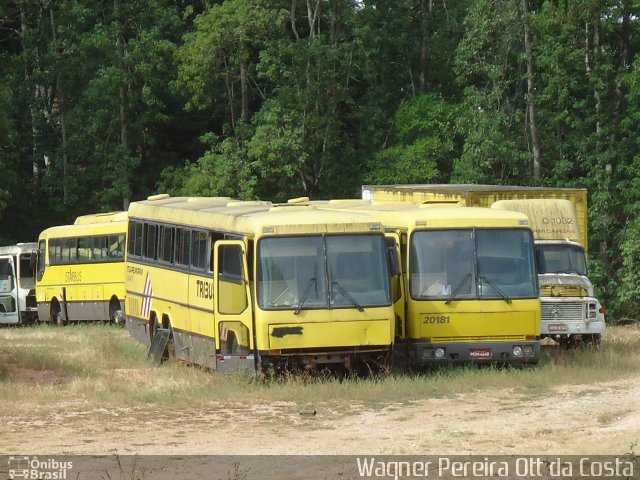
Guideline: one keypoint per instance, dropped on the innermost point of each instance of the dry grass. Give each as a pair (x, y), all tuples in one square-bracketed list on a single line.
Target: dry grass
[(84, 367)]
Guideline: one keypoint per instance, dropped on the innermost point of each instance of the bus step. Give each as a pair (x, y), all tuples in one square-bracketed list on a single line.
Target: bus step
[(159, 344)]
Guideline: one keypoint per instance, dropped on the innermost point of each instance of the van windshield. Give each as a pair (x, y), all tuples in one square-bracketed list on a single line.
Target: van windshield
[(322, 271), (561, 259), (471, 264)]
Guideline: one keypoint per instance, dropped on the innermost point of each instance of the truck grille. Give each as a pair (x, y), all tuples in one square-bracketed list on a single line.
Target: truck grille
[(553, 312)]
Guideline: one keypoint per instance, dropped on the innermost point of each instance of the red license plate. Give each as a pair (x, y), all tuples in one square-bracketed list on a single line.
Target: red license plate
[(480, 353)]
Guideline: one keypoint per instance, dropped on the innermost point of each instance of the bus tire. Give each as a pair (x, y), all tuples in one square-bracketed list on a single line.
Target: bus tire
[(171, 345), (115, 313), (56, 316), (153, 326)]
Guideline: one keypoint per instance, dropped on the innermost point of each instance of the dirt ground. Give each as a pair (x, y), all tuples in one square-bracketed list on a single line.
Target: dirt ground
[(600, 418)]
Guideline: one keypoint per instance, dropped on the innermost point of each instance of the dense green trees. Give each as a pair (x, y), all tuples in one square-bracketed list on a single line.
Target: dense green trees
[(104, 102)]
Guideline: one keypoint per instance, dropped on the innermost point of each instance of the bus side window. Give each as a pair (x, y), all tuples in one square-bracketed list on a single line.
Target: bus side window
[(183, 244), (135, 239), (166, 244), (115, 245), (98, 250), (150, 241), (198, 249), (84, 248), (69, 250)]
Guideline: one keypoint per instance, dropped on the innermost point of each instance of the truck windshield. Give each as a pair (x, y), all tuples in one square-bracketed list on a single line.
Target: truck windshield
[(561, 259), (330, 271), (472, 263)]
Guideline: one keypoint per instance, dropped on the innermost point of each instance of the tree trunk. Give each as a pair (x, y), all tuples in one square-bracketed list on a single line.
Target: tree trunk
[(244, 92), (59, 95), (426, 9), (531, 103), (122, 94), (33, 112)]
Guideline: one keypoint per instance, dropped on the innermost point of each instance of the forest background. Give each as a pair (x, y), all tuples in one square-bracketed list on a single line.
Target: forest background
[(104, 102)]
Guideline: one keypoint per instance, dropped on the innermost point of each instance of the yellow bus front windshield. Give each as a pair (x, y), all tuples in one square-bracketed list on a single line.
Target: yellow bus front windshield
[(329, 271), (472, 264)]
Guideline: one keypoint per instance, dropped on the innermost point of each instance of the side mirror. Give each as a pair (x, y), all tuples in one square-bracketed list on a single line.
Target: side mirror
[(392, 260)]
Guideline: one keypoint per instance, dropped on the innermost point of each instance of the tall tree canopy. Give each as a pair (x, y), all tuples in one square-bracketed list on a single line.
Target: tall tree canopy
[(105, 102)]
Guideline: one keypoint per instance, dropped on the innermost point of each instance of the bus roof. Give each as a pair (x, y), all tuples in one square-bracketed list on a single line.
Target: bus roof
[(18, 248), (81, 229), (408, 216), (251, 217), (101, 218)]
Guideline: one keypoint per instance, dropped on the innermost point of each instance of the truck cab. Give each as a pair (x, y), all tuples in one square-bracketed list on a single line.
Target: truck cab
[(570, 312)]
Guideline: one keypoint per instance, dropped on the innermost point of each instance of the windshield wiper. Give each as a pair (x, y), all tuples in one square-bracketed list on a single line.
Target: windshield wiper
[(304, 296), (458, 288), (347, 295), (495, 288)]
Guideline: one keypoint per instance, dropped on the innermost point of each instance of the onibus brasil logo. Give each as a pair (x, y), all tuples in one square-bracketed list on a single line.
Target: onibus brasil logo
[(23, 467)]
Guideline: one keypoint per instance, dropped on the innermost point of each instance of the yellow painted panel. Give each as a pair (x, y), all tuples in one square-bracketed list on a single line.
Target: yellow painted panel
[(474, 319), (330, 334)]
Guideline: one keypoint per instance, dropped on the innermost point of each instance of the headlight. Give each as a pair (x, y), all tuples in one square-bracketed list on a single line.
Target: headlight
[(529, 351), (592, 314), (517, 351), (439, 352)]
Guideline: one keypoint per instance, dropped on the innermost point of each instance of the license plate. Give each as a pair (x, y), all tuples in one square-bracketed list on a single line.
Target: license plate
[(557, 327), (480, 353)]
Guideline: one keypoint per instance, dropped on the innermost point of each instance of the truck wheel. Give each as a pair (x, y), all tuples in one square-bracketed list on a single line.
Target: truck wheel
[(592, 341), (567, 342)]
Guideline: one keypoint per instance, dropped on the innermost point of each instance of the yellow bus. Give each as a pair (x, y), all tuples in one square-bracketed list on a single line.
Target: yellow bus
[(80, 270), (469, 282), (253, 286)]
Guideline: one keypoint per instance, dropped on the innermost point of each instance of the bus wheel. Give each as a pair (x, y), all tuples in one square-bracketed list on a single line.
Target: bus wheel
[(170, 351), (57, 318), (115, 314)]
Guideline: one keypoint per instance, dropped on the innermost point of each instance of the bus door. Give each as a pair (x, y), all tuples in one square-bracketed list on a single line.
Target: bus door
[(233, 308), (8, 291), (392, 242)]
